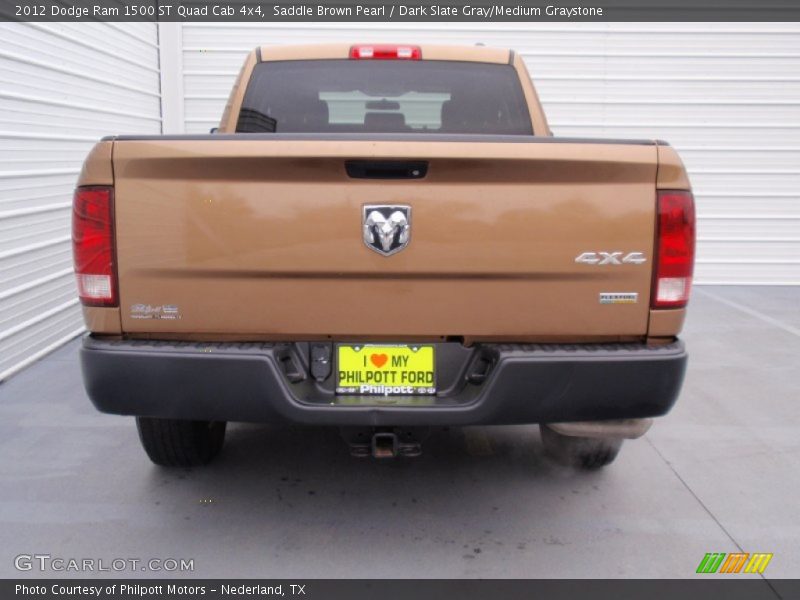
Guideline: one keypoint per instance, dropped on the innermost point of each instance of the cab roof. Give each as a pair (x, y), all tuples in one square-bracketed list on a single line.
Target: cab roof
[(342, 51)]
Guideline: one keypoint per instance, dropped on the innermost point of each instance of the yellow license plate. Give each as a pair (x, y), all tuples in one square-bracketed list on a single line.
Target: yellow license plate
[(386, 370)]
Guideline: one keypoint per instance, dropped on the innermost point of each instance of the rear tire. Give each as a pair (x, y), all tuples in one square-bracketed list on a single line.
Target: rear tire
[(178, 443), (579, 452)]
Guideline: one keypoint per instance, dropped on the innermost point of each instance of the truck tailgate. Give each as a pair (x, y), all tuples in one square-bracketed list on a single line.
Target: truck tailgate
[(259, 237)]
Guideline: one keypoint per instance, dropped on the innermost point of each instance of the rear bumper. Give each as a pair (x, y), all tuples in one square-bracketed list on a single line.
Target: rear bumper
[(269, 383)]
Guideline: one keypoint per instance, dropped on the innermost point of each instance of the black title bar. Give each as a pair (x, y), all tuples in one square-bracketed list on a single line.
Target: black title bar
[(399, 11), (730, 588)]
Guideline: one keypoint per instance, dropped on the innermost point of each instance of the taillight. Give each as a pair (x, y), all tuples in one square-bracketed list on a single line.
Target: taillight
[(675, 233), (385, 52), (93, 245)]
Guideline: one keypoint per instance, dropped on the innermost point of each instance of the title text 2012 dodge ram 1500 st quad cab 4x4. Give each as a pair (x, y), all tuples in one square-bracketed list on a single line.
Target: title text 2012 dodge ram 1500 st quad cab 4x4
[(383, 238)]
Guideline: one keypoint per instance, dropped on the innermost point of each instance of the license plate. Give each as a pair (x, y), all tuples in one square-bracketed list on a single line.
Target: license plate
[(386, 370)]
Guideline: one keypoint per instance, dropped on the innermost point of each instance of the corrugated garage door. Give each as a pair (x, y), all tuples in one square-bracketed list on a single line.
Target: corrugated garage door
[(726, 95), (62, 87)]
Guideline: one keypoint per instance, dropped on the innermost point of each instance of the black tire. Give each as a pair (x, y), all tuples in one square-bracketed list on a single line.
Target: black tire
[(177, 443), (579, 452)]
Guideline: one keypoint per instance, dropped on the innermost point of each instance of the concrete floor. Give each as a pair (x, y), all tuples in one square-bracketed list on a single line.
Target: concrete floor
[(719, 474)]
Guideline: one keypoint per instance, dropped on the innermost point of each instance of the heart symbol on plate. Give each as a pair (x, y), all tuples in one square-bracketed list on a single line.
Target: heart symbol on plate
[(379, 359)]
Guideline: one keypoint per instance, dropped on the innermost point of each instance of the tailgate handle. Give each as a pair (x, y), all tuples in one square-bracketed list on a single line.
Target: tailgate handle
[(386, 169)]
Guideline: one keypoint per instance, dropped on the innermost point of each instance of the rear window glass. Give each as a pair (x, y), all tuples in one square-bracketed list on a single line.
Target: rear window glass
[(384, 96)]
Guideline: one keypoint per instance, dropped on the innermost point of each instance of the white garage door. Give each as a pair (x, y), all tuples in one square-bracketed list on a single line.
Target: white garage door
[(62, 87), (726, 95)]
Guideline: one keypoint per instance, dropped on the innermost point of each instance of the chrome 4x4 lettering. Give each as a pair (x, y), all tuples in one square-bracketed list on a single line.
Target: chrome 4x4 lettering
[(611, 258)]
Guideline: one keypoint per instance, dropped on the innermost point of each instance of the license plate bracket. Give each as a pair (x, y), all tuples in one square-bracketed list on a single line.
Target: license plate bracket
[(386, 369)]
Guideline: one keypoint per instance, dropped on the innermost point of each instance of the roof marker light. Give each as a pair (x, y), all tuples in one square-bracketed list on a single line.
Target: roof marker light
[(385, 52)]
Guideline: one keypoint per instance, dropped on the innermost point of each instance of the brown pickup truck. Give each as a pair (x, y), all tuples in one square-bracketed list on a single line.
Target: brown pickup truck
[(383, 238)]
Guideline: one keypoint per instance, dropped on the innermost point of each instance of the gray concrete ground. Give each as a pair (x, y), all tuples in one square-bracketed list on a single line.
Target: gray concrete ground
[(719, 474)]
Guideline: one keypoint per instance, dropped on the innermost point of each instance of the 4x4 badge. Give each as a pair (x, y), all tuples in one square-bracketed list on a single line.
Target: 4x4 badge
[(611, 258), (386, 229)]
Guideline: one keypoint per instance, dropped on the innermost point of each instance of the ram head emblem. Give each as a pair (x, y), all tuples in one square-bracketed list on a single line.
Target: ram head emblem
[(386, 229)]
